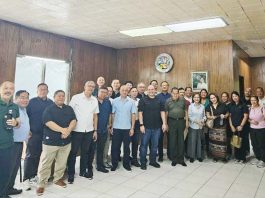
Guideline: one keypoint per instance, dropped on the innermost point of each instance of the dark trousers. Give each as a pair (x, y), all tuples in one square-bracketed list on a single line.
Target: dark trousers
[(5, 169), (161, 145), (247, 132), (101, 140), (240, 153), (85, 142), (32, 159), (16, 160), (120, 136), (258, 143), (135, 143), (176, 139)]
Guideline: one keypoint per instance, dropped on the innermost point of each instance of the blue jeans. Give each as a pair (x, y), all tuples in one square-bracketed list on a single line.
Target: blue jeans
[(153, 135)]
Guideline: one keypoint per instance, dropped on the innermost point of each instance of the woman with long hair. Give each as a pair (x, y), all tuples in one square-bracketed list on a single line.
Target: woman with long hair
[(237, 120), (218, 112), (225, 99)]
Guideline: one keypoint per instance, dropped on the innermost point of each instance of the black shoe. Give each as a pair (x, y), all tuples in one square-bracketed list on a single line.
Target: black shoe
[(103, 170), (70, 179), (128, 168), (14, 191), (173, 163), (215, 160), (90, 175), (143, 166), (200, 159), (135, 163), (85, 174), (191, 160), (113, 168), (160, 159), (154, 164), (107, 165), (183, 164)]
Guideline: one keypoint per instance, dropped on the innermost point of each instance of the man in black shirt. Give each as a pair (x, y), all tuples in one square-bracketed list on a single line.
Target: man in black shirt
[(246, 98), (59, 120), (116, 88), (141, 90), (151, 111)]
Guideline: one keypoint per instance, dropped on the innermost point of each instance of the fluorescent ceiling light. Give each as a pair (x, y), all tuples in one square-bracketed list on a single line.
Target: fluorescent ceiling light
[(146, 31), (40, 58), (198, 25)]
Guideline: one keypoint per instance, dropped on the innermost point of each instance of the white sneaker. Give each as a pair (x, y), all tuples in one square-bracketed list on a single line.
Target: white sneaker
[(27, 185), (254, 161), (261, 164)]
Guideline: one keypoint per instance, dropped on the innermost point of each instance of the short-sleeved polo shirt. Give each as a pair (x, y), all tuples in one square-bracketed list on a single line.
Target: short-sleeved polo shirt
[(62, 116), (123, 110), (176, 108), (105, 110), (6, 135), (84, 109), (237, 112)]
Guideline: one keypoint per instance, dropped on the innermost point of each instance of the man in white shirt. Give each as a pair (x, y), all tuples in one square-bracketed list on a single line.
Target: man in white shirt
[(85, 133)]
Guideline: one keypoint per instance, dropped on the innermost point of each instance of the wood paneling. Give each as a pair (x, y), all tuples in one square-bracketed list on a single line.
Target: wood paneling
[(258, 72), (88, 60), (241, 66), (214, 57)]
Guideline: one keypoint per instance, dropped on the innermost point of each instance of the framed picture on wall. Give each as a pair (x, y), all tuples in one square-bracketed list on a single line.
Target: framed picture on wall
[(199, 80)]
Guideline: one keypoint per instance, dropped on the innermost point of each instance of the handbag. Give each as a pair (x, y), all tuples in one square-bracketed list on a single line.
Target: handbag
[(209, 122), (236, 141)]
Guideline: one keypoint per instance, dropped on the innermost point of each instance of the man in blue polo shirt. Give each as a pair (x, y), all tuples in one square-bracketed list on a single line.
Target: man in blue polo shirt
[(123, 118), (6, 134), (104, 121), (35, 110)]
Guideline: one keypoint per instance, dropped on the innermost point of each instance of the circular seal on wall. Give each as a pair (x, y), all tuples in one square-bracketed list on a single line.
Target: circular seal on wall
[(164, 62)]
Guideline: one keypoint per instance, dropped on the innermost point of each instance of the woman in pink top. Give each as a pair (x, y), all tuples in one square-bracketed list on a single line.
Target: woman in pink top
[(257, 131)]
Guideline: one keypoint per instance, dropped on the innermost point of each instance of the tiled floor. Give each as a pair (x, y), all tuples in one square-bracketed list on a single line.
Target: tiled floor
[(197, 180)]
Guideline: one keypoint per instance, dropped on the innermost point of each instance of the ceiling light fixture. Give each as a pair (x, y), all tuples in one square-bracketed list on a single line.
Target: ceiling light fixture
[(146, 31), (198, 25)]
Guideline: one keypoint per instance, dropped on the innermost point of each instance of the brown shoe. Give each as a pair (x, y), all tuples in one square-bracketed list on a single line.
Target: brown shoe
[(40, 191), (60, 183)]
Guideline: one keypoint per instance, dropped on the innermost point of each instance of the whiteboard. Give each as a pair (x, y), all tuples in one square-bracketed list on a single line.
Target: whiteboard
[(30, 71), (57, 77)]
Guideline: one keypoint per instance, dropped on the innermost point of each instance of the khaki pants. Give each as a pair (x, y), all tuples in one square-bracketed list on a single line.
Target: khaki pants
[(49, 154)]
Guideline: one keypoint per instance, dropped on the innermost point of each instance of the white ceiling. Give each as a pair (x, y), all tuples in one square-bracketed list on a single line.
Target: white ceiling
[(99, 21)]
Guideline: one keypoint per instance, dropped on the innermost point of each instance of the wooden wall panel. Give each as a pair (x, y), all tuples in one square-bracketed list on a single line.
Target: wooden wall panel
[(241, 66), (9, 42), (88, 60), (215, 57), (258, 72)]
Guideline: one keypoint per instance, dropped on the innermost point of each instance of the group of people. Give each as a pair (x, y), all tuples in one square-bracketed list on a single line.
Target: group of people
[(126, 115)]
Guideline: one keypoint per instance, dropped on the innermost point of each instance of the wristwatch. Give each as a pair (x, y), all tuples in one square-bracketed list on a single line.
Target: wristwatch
[(141, 125)]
